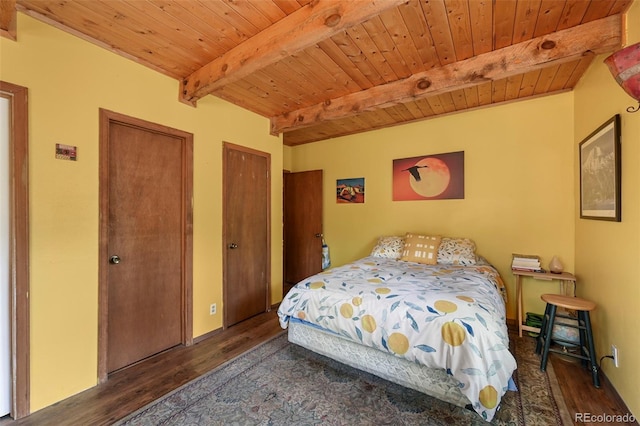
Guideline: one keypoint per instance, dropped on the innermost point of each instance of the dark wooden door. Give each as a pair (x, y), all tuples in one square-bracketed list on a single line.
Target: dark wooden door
[(145, 244), (302, 225), (246, 237)]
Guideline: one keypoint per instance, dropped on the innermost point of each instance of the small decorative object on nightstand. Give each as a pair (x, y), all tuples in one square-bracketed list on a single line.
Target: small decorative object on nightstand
[(555, 266)]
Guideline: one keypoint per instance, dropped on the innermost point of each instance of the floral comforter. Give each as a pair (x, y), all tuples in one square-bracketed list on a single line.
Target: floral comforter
[(440, 316)]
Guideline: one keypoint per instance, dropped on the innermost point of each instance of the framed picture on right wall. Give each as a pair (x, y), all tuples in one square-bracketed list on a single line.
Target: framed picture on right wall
[(600, 173)]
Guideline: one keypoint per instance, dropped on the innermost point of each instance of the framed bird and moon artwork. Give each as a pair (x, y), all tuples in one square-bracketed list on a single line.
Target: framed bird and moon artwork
[(429, 177)]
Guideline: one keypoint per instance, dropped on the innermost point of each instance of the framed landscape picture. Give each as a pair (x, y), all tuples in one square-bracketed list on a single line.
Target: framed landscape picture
[(600, 173), (429, 177), (350, 191)]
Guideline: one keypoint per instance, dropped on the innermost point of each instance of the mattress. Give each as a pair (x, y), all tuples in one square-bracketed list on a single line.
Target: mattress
[(431, 381)]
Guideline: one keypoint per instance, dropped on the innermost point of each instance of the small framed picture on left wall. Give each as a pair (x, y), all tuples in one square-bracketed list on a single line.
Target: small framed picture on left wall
[(350, 191)]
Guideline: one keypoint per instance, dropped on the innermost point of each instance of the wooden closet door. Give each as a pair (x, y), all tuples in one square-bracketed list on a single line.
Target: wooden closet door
[(302, 225), (247, 256), (145, 233), (146, 199)]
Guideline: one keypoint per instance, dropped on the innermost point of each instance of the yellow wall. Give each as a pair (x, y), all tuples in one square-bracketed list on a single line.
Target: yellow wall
[(68, 81), (519, 189), (608, 253), (287, 162)]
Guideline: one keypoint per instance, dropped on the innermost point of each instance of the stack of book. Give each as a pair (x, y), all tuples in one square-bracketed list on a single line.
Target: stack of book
[(533, 320), (526, 262)]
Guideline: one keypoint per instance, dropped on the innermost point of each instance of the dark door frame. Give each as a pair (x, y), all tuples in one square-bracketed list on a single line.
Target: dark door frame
[(19, 247), (106, 118), (267, 156)]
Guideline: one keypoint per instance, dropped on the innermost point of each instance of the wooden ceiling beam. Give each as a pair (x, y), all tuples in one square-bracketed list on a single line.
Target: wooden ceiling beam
[(304, 28), (596, 37), (8, 19)]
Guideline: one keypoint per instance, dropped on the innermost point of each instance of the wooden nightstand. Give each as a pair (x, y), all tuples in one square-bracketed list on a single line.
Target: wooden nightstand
[(565, 279)]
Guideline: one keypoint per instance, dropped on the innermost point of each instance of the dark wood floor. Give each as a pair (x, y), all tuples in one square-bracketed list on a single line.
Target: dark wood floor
[(581, 396), (132, 388)]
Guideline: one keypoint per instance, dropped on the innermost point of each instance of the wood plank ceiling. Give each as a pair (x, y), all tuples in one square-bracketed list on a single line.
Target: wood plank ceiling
[(319, 69)]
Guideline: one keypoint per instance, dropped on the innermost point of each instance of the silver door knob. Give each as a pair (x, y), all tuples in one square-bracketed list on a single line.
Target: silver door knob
[(233, 246), (115, 259)]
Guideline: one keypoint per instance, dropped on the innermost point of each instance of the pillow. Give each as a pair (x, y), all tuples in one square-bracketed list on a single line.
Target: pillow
[(388, 247), (457, 251), (421, 248)]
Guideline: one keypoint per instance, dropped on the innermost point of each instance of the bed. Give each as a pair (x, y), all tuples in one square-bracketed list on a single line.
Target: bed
[(435, 323)]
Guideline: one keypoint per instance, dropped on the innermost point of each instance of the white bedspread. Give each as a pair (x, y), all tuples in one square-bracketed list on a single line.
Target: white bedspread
[(440, 316)]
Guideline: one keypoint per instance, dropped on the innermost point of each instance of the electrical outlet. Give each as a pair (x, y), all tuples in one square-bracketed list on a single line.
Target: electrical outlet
[(614, 352), (212, 309)]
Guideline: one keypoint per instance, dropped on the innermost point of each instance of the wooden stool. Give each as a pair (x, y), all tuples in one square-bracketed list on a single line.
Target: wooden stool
[(587, 352)]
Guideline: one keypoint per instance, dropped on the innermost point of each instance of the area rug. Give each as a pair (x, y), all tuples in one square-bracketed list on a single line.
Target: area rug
[(279, 383)]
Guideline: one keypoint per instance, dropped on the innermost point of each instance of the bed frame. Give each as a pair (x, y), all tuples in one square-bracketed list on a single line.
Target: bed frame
[(431, 381)]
